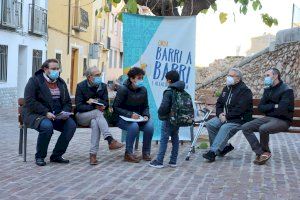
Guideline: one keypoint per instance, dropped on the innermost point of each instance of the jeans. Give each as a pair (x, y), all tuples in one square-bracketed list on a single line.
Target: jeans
[(265, 126), (45, 129), (95, 119), (219, 133), (168, 130), (133, 129)]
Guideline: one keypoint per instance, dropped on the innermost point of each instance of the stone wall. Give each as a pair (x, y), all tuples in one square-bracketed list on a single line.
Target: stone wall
[(218, 66), (285, 57), (8, 97)]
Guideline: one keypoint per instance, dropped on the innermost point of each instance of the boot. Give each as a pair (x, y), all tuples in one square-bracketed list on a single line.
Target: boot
[(93, 159)]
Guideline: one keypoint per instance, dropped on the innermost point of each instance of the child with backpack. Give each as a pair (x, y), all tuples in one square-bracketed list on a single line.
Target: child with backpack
[(176, 110)]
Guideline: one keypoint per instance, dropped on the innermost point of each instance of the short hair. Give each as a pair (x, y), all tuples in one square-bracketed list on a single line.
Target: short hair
[(48, 61), (89, 71), (173, 76), (135, 71), (277, 72), (238, 72)]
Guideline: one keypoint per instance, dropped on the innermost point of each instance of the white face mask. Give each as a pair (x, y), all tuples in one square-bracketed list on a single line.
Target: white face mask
[(229, 81)]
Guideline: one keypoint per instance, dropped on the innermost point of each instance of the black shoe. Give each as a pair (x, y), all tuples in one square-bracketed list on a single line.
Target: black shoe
[(226, 150), (59, 160), (156, 164), (40, 162), (210, 155)]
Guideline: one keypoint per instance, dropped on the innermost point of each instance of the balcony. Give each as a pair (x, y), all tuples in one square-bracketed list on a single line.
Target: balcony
[(80, 19), (37, 20), (11, 14)]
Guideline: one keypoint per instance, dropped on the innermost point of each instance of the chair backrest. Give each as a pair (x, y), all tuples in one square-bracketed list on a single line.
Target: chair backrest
[(296, 119)]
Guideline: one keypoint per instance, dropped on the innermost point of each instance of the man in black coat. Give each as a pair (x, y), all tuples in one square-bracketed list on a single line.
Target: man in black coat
[(91, 100), (46, 95), (277, 104), (233, 108)]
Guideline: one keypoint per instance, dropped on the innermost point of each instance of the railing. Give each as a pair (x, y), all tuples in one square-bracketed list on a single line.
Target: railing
[(37, 20), (80, 19), (11, 13)]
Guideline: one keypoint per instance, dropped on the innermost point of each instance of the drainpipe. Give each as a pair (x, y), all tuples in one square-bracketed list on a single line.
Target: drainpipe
[(293, 12), (69, 28)]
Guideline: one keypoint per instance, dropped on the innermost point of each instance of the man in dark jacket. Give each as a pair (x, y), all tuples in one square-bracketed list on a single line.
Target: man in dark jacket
[(233, 108), (91, 100), (167, 129), (277, 104), (46, 95)]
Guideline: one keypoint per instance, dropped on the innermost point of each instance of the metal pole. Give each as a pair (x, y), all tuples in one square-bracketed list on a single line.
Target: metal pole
[(32, 16), (293, 15), (69, 28)]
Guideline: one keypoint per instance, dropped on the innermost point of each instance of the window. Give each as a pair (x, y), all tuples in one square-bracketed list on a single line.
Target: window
[(110, 58), (37, 57), (121, 60), (3, 62), (115, 60), (84, 65), (58, 57)]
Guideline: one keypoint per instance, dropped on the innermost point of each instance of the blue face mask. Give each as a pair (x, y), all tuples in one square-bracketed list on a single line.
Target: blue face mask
[(97, 80), (139, 83), (54, 74), (268, 81)]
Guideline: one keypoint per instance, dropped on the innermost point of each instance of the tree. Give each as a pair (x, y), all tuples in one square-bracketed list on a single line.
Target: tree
[(192, 7)]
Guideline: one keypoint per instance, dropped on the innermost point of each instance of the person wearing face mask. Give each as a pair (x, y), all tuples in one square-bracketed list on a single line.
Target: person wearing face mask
[(46, 95), (277, 103), (132, 102), (233, 108), (90, 114)]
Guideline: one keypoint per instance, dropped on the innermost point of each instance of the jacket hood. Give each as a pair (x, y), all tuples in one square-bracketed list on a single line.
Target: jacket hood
[(179, 85), (40, 71)]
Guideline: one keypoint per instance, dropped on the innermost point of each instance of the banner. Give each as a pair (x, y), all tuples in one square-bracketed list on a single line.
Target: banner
[(159, 45)]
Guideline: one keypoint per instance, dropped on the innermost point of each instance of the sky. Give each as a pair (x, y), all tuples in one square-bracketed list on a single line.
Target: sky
[(215, 40)]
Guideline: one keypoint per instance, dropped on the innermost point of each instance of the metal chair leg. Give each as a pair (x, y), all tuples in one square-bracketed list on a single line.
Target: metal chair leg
[(21, 141), (25, 143), (136, 147)]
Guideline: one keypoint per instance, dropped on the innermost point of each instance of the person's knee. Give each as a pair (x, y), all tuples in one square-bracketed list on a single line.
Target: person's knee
[(46, 126), (134, 128), (149, 127), (211, 124), (263, 130), (246, 128)]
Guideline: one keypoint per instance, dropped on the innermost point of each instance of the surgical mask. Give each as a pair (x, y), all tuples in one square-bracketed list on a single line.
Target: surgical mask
[(268, 81), (54, 74), (229, 81), (97, 80), (139, 83)]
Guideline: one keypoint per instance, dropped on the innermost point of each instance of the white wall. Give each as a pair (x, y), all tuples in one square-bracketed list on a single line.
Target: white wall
[(14, 40)]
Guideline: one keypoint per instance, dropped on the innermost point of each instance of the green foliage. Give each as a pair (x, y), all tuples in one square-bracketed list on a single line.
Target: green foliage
[(218, 93), (256, 5), (268, 20), (203, 145), (132, 6), (223, 17), (214, 6), (116, 1), (106, 9)]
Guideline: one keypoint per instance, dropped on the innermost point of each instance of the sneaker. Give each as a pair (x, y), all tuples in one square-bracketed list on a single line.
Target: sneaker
[(226, 150), (210, 155), (156, 164), (263, 158), (172, 164)]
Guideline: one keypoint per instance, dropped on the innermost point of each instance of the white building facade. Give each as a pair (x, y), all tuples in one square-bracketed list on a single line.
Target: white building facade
[(23, 45)]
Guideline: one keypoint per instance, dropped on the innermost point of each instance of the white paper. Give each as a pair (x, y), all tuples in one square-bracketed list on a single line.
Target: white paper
[(63, 115), (141, 119), (98, 103)]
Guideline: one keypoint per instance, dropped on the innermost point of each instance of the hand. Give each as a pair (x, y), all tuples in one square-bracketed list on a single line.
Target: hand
[(135, 116), (90, 101), (221, 115), (50, 116), (101, 108), (146, 118), (276, 106)]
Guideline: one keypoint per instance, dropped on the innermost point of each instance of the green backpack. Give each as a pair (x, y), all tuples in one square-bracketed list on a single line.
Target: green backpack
[(182, 110)]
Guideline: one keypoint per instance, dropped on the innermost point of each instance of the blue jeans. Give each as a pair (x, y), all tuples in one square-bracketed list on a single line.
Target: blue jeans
[(133, 129), (45, 129), (168, 130), (219, 133)]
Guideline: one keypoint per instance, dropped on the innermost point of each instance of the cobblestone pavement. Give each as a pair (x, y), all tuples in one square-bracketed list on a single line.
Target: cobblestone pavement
[(231, 177)]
